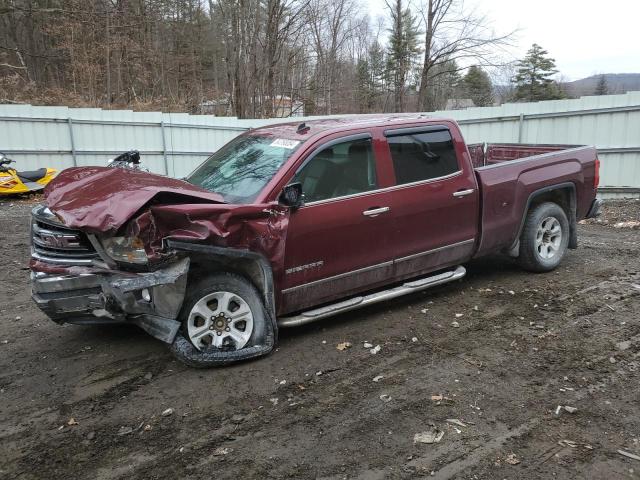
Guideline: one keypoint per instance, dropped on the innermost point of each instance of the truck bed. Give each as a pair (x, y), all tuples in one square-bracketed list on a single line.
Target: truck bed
[(483, 154), (509, 174)]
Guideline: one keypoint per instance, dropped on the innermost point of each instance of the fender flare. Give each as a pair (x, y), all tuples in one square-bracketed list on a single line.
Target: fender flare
[(573, 230)]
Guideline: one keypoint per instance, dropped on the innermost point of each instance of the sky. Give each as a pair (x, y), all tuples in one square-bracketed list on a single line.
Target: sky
[(585, 37)]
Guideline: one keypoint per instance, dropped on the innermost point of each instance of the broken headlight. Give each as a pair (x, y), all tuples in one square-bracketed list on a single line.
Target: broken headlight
[(125, 249)]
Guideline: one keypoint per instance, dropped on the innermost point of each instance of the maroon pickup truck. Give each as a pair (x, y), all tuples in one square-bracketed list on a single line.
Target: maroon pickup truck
[(292, 223)]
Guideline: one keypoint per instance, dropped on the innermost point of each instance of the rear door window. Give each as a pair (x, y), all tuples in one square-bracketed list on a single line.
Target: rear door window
[(422, 155), (342, 169)]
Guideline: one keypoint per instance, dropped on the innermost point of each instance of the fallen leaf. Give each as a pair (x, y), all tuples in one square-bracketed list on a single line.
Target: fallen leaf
[(433, 435), (512, 459), (222, 451)]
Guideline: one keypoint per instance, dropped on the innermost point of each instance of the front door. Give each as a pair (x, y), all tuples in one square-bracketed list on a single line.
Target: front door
[(338, 242), (435, 200)]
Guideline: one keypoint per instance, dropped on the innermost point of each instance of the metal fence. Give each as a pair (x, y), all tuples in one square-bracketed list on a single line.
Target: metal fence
[(175, 143)]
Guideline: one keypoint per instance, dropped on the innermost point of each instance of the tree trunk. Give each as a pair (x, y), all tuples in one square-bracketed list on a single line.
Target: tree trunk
[(423, 91)]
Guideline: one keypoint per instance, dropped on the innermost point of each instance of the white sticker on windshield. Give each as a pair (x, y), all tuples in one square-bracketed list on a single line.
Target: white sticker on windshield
[(284, 143)]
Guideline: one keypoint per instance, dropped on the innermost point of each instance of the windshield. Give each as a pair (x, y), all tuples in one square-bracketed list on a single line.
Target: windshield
[(240, 169)]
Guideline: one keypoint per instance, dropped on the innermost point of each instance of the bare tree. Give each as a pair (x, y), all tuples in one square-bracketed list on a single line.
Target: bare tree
[(331, 25), (453, 35), (282, 24), (249, 58)]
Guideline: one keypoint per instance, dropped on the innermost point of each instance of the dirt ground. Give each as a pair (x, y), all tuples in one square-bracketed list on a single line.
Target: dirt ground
[(86, 402)]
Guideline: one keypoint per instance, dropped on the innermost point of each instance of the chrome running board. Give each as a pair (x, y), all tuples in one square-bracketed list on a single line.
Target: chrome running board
[(363, 301)]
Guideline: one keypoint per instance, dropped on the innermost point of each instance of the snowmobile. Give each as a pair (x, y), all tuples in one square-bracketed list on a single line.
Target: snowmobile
[(13, 182)]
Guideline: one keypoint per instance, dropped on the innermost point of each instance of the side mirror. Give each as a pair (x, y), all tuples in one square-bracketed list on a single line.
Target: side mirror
[(292, 196)]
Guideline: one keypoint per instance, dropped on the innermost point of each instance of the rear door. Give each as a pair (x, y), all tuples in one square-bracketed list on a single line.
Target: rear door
[(435, 199), (338, 242)]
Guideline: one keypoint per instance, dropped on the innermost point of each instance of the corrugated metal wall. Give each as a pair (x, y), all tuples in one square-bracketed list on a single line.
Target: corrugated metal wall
[(175, 143)]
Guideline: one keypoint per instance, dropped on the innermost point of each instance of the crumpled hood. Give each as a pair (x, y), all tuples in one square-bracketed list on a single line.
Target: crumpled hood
[(155, 208), (102, 199)]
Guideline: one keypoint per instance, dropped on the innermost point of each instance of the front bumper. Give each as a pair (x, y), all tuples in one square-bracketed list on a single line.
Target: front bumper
[(150, 300)]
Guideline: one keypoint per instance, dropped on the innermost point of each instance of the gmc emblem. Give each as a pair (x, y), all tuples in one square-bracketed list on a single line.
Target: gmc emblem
[(55, 241)]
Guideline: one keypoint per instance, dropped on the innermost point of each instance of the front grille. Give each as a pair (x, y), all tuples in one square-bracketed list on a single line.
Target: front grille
[(54, 243)]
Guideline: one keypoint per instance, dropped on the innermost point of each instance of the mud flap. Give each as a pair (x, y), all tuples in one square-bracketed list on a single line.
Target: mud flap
[(573, 230)]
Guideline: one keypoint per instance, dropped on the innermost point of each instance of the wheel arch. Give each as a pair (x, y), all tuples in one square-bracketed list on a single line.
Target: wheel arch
[(250, 265), (562, 194)]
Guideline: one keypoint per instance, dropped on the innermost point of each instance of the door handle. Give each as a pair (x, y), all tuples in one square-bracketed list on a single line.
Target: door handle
[(463, 193), (373, 212)]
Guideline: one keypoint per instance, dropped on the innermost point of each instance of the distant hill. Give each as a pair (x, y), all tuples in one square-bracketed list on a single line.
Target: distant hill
[(616, 83)]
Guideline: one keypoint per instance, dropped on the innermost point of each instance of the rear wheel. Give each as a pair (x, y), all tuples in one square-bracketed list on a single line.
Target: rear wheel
[(223, 321), (544, 238)]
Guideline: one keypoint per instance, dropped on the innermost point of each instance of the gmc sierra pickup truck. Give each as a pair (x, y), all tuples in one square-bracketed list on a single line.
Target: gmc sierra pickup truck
[(293, 223)]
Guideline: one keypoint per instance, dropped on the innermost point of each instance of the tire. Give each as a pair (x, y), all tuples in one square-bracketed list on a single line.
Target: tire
[(544, 238), (212, 318)]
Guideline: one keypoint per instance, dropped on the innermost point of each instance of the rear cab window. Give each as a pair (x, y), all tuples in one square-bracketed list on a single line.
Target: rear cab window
[(422, 155)]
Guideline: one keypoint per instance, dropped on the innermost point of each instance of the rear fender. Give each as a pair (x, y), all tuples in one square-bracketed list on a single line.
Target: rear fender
[(564, 194)]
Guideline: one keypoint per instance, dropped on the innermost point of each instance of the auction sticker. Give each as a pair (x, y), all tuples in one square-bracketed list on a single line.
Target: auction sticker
[(284, 143)]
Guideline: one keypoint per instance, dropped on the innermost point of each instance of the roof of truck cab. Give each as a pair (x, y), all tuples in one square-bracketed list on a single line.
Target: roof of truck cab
[(289, 130)]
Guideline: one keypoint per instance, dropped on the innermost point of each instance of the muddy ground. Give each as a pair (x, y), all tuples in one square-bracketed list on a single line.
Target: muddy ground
[(87, 402)]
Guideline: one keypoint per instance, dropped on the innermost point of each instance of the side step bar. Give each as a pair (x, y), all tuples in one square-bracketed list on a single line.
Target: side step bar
[(362, 301)]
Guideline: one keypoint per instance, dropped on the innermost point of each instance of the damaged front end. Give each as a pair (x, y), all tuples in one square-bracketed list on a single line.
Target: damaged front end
[(75, 281), (114, 246)]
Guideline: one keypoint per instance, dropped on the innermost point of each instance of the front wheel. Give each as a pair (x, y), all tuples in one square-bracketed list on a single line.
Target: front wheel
[(223, 321), (544, 238)]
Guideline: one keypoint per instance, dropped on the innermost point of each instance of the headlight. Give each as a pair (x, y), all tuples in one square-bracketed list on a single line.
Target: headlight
[(125, 249)]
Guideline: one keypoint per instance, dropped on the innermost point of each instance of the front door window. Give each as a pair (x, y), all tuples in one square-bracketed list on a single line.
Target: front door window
[(339, 170)]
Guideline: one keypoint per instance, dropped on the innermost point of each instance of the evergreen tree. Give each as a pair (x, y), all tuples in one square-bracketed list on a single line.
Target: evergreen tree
[(402, 51), (370, 79), (477, 86), (602, 87), (365, 92), (377, 67), (533, 79)]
